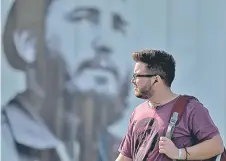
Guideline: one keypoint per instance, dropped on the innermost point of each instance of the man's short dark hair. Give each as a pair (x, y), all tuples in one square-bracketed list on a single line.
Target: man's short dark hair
[(158, 62)]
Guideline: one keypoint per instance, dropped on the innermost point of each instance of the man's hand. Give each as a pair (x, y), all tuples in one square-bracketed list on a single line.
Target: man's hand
[(166, 146), (123, 158)]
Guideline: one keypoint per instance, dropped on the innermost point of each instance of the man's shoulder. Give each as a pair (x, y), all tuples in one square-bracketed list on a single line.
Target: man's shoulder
[(194, 103), (139, 110), (140, 107), (195, 106)]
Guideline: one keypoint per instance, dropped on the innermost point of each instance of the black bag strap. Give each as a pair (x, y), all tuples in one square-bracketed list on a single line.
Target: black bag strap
[(223, 156), (177, 113)]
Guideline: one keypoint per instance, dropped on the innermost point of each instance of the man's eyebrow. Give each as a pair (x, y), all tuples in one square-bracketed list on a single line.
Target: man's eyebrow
[(77, 12), (120, 18), (87, 9)]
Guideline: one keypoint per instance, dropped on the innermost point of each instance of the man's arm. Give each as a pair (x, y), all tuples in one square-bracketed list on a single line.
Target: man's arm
[(207, 134), (205, 150), (123, 158), (125, 148), (203, 128)]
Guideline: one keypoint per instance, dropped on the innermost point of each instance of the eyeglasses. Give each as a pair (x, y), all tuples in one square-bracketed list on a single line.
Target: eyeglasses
[(142, 75)]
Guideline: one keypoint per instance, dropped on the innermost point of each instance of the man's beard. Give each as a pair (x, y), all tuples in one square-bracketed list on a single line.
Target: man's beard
[(95, 112), (103, 109), (144, 93)]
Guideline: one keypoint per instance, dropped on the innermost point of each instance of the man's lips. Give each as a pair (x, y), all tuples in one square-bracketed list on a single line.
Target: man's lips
[(97, 64)]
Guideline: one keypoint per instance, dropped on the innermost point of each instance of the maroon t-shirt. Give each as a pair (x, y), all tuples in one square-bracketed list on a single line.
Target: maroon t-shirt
[(195, 126)]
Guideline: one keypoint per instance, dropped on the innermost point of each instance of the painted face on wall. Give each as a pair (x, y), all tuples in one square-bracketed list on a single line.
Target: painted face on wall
[(92, 38)]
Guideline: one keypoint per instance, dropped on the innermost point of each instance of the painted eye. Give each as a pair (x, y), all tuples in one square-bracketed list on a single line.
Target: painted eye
[(119, 24)]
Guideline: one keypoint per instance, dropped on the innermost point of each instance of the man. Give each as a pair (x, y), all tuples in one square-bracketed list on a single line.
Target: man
[(91, 37), (154, 73), (83, 91)]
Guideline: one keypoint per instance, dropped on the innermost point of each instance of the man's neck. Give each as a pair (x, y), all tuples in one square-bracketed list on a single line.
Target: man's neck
[(162, 98)]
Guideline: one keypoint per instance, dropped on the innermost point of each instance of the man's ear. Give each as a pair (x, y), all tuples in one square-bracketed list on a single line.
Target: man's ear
[(158, 78), (25, 45)]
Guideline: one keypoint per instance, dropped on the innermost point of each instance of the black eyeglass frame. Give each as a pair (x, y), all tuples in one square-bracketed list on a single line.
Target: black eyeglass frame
[(143, 75)]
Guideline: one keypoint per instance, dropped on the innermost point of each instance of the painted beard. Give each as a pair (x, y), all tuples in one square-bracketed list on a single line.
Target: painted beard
[(104, 109), (85, 113)]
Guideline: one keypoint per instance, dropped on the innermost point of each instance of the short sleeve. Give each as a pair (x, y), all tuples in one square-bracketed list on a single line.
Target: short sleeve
[(125, 147), (200, 122)]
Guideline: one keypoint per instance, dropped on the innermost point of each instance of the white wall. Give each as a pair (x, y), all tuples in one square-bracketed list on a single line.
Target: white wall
[(193, 31)]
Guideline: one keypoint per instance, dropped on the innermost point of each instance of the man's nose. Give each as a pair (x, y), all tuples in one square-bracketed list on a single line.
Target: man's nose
[(133, 81), (102, 46)]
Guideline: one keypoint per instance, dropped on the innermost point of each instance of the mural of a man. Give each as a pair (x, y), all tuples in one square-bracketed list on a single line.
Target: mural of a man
[(26, 133), (86, 82)]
